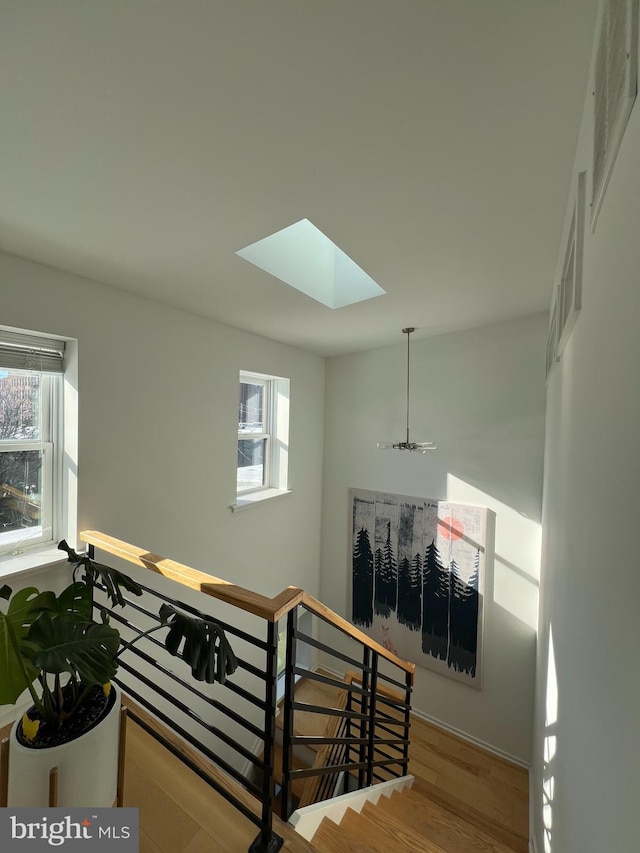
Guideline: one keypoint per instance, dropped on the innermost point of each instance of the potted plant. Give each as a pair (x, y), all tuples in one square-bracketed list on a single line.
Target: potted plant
[(52, 646)]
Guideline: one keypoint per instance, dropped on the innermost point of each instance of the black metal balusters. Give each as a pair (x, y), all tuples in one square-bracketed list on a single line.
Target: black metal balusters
[(267, 841)]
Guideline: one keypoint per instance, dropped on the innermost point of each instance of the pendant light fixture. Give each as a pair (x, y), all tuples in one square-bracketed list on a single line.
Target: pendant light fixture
[(415, 447)]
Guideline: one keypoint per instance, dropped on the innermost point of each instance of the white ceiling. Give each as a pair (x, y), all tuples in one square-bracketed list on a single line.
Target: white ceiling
[(143, 142)]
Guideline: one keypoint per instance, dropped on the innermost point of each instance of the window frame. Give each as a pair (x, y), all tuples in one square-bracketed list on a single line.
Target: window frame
[(265, 435), (275, 432), (47, 444), (55, 359)]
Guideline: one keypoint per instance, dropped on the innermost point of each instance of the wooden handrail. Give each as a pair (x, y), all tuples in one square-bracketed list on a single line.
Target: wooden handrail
[(324, 612), (271, 609), (252, 602)]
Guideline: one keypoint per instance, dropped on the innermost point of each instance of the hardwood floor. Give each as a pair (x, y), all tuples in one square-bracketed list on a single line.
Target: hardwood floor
[(475, 785), (180, 812), (463, 800)]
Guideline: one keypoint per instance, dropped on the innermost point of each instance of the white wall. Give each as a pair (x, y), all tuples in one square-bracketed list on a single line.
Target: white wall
[(480, 396), (587, 746), (158, 397), (157, 428)]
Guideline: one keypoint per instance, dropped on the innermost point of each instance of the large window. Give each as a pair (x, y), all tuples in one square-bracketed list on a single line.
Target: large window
[(30, 391), (263, 433)]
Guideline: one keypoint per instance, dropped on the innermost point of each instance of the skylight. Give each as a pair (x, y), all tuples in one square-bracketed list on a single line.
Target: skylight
[(303, 257)]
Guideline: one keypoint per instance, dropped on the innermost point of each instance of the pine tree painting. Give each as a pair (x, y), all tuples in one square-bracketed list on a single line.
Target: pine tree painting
[(418, 571)]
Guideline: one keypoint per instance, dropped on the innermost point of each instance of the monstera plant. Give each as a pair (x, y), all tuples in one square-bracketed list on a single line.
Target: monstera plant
[(52, 646)]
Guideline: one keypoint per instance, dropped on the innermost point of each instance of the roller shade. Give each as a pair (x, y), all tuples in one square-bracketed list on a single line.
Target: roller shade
[(30, 352)]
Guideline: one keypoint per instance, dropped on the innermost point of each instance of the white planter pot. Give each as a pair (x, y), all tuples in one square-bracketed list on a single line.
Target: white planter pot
[(87, 767)]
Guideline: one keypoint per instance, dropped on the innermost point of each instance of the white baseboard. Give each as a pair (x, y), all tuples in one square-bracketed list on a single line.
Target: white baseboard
[(470, 739), (454, 731), (306, 820)]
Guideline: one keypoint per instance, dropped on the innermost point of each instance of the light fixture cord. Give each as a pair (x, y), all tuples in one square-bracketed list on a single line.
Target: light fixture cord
[(408, 363)]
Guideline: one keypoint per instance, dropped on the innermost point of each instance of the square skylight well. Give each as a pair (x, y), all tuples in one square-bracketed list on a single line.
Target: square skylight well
[(303, 257)]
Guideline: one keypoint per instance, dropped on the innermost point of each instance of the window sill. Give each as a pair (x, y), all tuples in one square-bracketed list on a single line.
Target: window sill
[(13, 565), (256, 498)]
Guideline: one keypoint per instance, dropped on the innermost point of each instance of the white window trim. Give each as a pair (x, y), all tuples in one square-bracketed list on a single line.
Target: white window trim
[(276, 471), (62, 510), (256, 498), (268, 421), (45, 444)]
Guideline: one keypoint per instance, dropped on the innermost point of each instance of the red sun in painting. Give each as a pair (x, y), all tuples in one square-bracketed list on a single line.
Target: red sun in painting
[(450, 528)]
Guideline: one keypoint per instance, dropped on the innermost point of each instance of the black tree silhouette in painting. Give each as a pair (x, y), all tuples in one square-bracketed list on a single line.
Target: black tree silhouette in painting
[(435, 605), (362, 580), (386, 578), (463, 620), (410, 593)]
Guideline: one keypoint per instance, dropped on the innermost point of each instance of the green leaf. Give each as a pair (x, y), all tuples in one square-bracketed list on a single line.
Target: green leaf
[(206, 648), (76, 600), (112, 579), (17, 670), (84, 650)]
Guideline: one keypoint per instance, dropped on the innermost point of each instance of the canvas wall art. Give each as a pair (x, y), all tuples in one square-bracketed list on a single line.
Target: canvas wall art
[(418, 573)]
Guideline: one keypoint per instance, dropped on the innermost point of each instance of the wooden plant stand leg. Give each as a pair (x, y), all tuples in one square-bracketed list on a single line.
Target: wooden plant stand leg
[(4, 778), (121, 756), (4, 772), (53, 787)]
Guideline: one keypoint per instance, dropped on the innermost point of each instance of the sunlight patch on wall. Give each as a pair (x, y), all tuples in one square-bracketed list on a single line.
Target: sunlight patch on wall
[(304, 258), (518, 543), (69, 511), (550, 746)]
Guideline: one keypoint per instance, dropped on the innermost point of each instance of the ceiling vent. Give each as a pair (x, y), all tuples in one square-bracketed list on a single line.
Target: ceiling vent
[(615, 87)]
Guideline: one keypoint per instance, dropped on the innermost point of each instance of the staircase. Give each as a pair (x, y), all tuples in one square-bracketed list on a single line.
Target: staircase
[(309, 694), (316, 743), (406, 822), (463, 799)]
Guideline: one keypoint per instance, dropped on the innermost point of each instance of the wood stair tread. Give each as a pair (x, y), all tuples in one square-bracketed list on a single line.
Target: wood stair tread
[(438, 824), (479, 817), (464, 799), (472, 782), (316, 693), (382, 833), (331, 838), (297, 785), (311, 692)]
